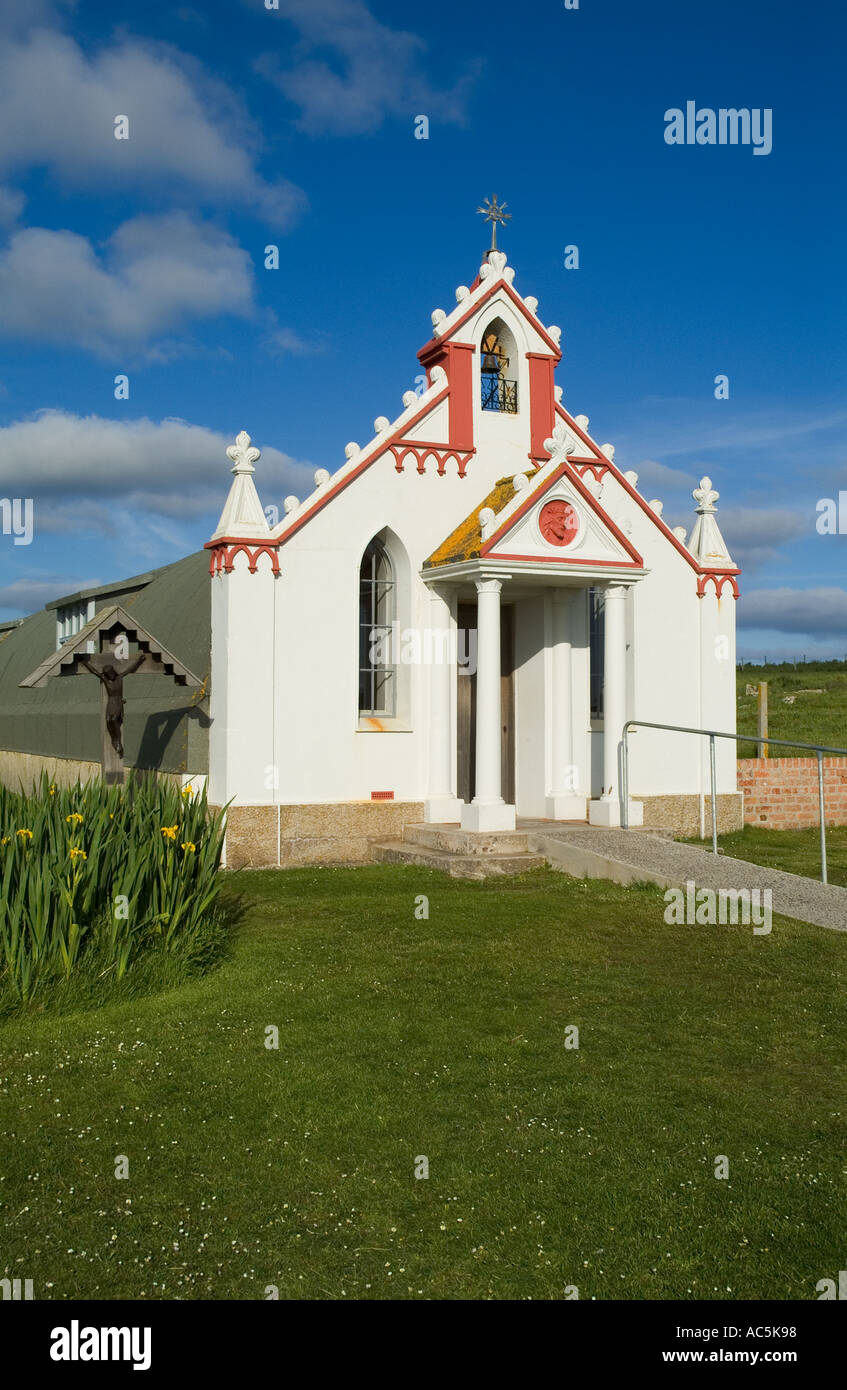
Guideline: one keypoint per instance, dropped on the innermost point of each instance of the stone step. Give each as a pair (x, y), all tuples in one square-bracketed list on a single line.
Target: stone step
[(453, 840), (456, 865)]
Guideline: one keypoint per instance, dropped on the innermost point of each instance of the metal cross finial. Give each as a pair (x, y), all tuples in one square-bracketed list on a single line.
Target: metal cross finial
[(494, 212)]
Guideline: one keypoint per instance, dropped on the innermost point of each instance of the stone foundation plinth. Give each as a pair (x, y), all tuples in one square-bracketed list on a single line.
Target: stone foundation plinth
[(681, 813), (270, 837)]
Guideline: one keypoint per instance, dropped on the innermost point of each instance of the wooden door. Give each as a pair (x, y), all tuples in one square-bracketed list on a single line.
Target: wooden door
[(466, 704)]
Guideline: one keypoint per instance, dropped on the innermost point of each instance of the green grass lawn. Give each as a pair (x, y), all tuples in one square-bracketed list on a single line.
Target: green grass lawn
[(819, 711), (444, 1037), (794, 851)]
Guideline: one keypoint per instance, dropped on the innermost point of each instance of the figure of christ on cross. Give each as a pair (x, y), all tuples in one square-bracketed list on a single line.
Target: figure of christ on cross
[(112, 630), (111, 676)]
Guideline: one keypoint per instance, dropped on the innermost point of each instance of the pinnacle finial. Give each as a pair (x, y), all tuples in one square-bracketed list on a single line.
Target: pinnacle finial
[(242, 454), (560, 444), (705, 496)]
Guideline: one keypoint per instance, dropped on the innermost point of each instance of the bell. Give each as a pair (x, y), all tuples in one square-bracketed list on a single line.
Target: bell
[(492, 355)]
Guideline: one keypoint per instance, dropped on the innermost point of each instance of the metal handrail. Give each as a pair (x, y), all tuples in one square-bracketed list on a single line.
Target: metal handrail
[(712, 734)]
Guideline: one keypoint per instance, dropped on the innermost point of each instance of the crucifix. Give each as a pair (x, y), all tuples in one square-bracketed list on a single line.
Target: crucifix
[(112, 630), (494, 212), (110, 671)]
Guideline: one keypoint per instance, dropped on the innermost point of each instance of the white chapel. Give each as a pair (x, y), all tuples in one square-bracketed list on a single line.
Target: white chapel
[(454, 627)]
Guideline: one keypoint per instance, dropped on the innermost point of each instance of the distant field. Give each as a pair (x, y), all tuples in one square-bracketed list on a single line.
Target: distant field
[(819, 711)]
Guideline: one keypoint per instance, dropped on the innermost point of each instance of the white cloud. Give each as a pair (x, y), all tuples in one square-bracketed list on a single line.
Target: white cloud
[(145, 492), (285, 340), (87, 472), (808, 612), (752, 454), (660, 475), (188, 134), (28, 595), (354, 71), (755, 535), (153, 275)]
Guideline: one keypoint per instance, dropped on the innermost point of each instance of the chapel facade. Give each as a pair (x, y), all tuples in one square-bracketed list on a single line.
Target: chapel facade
[(456, 624)]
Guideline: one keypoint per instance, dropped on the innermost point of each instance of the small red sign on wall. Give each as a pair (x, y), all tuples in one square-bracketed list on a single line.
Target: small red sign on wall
[(382, 796)]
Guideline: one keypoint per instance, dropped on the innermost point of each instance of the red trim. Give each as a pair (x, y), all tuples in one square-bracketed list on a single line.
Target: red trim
[(422, 451), (636, 496), (225, 548), (565, 471), (597, 470), (541, 401), (460, 376), (456, 359), (428, 348), (571, 564), (390, 439), (719, 579)]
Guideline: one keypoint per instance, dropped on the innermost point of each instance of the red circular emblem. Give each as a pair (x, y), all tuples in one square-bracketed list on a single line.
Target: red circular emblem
[(558, 523)]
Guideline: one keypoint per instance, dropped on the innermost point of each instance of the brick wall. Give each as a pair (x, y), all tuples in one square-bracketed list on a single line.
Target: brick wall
[(782, 793)]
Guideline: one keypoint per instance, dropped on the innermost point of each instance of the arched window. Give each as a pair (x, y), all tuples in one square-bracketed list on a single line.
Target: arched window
[(498, 369), (377, 606)]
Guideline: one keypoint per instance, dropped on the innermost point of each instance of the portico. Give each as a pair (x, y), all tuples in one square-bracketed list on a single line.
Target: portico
[(552, 704)]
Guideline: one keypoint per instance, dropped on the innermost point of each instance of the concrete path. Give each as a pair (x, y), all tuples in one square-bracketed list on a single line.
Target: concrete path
[(633, 856)]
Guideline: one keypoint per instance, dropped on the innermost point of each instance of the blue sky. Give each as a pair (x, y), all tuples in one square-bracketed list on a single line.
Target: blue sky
[(295, 127)]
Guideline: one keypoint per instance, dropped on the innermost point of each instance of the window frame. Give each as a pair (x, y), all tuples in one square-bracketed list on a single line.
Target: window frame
[(375, 554)]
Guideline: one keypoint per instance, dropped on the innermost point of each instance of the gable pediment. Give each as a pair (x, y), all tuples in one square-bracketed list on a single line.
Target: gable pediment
[(559, 521)]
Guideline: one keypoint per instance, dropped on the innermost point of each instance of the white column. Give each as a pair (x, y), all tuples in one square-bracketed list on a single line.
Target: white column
[(441, 804), (564, 800), (488, 811), (607, 810)]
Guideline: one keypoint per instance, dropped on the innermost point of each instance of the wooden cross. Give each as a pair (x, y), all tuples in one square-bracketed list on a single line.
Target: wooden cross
[(112, 630)]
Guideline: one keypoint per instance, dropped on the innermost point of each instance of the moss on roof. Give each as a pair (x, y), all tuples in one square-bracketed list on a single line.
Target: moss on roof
[(466, 541)]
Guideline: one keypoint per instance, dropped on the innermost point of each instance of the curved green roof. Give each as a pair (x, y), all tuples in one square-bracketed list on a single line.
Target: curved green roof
[(166, 726)]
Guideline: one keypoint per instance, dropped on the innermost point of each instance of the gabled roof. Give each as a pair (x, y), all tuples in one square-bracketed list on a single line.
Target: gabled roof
[(166, 727), (480, 535), (69, 659), (465, 542), (494, 275), (595, 457), (118, 588)]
